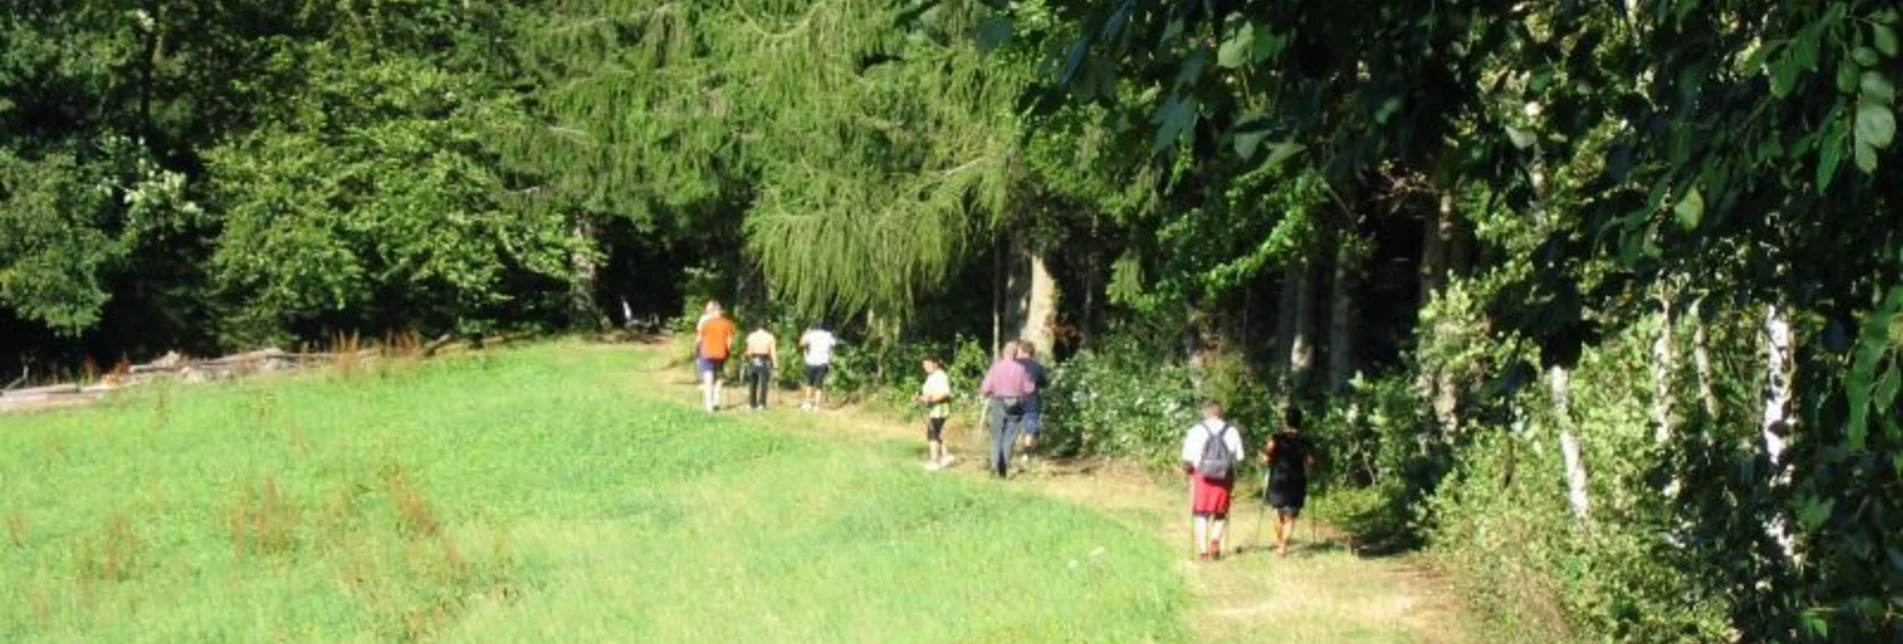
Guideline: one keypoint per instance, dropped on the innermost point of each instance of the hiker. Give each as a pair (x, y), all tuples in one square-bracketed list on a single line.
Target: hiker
[(1288, 456), (936, 395), (763, 358), (818, 344), (1034, 403), (712, 344), (1005, 387), (1211, 450)]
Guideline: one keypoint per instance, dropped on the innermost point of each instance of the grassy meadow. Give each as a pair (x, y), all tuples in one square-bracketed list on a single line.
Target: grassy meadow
[(536, 494)]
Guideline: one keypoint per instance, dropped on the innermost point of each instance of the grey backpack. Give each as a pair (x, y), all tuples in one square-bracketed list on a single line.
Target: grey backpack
[(1218, 462)]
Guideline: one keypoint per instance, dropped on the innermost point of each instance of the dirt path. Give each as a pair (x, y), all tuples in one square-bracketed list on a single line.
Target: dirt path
[(1320, 593)]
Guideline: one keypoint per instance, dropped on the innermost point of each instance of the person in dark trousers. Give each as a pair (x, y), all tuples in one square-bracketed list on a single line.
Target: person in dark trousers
[(1004, 389), (1033, 404), (1289, 456), (762, 359)]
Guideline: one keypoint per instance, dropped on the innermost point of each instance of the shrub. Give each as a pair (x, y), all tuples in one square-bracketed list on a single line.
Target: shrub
[(1119, 401)]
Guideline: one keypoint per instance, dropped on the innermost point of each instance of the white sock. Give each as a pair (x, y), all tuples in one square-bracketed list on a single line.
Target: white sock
[(1202, 534), (1215, 533)]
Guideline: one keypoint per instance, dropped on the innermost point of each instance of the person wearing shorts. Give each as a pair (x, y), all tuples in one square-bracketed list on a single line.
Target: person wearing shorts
[(818, 344), (1034, 403), (714, 342), (1288, 456), (1209, 494), (936, 395)]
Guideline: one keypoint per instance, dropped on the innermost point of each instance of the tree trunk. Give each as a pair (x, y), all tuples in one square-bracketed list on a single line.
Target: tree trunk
[(1560, 384), (1040, 306), (1287, 297), (1030, 303), (1460, 250), (1664, 371), (1341, 320), (997, 298), (1701, 360), (587, 275), (1436, 248), (1777, 404), (1301, 347)]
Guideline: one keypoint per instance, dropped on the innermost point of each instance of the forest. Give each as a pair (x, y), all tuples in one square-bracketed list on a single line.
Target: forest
[(1601, 303)]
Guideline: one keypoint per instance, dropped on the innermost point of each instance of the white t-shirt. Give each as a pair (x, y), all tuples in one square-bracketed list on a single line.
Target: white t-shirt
[(819, 345), (938, 385), (1198, 437)]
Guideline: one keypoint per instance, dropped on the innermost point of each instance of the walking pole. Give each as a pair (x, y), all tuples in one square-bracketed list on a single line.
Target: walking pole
[(1262, 507), (1194, 548)]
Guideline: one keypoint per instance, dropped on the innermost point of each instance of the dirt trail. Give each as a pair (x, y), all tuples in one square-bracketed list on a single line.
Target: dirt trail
[(1320, 593)]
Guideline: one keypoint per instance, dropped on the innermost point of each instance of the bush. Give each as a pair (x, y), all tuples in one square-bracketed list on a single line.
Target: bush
[(1119, 401)]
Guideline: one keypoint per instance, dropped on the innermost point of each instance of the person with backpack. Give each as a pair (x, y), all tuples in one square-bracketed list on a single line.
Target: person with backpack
[(1288, 456), (763, 358), (1005, 387), (1212, 449), (818, 344), (712, 344), (1033, 404)]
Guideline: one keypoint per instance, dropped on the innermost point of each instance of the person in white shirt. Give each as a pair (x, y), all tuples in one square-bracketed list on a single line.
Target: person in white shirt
[(818, 345), (936, 395), (1212, 449)]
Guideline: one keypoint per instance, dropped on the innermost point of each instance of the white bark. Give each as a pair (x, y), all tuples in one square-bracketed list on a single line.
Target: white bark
[(1040, 307), (1664, 371), (1030, 300), (1301, 350), (1777, 404), (1341, 322), (1577, 494), (1701, 361)]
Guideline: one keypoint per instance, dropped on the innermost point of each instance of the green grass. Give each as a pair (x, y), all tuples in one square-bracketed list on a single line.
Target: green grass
[(528, 495)]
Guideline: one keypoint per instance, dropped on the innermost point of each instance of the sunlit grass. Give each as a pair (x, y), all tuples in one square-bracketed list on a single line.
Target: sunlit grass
[(529, 495)]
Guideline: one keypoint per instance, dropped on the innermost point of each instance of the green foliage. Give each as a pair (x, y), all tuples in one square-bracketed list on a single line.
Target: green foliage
[(1120, 400)]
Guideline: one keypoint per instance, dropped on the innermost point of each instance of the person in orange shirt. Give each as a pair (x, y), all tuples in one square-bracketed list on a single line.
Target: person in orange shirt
[(713, 344)]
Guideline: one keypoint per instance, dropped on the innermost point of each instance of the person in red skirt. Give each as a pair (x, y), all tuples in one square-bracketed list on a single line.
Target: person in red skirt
[(1211, 450)]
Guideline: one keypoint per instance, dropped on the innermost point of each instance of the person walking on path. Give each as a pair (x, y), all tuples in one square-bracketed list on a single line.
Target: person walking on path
[(1005, 387), (818, 344), (1211, 450), (936, 395), (713, 343), (1034, 403), (1288, 455), (763, 358)]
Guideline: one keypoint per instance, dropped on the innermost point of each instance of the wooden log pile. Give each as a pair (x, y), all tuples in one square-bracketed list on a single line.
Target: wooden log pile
[(170, 366)]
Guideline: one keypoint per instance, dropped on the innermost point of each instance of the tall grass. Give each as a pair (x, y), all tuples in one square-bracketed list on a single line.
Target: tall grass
[(527, 495)]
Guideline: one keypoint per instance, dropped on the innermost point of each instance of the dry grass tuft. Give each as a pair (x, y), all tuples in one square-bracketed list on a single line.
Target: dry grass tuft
[(17, 528), (264, 521), (109, 558), (344, 349), (416, 512)]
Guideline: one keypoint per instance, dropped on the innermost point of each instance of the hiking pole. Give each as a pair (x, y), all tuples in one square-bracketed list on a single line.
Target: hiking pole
[(1262, 508)]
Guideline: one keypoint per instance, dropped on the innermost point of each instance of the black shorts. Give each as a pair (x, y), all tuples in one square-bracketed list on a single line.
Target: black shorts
[(1287, 496), (816, 375), (934, 429)]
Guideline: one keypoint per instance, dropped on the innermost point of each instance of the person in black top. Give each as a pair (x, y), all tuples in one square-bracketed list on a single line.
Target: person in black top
[(1288, 456), (1033, 404)]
